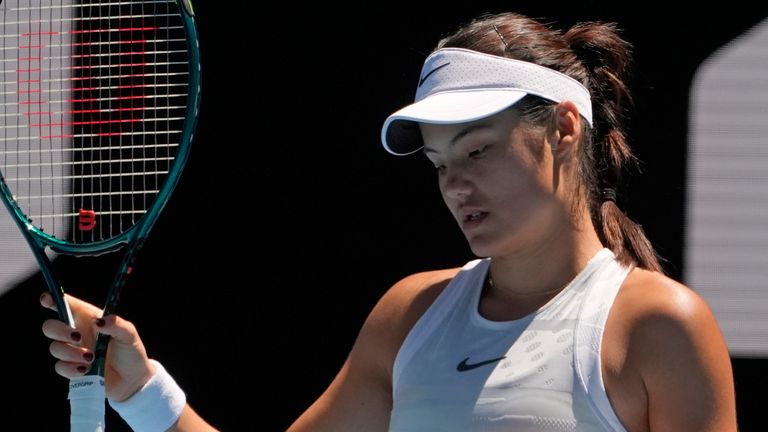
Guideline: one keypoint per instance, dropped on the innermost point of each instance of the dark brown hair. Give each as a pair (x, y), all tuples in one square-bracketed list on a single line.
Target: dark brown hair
[(595, 55)]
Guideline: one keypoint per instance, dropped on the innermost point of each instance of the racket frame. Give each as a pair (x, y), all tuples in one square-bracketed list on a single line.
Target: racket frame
[(133, 238)]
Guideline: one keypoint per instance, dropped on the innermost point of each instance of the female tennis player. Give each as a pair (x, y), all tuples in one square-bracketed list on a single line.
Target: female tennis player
[(567, 322)]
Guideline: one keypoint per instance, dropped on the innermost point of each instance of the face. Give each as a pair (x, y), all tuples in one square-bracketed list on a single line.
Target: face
[(499, 180)]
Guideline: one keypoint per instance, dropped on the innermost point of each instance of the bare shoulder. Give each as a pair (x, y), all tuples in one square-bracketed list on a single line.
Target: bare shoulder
[(402, 305), (659, 313), (413, 294), (652, 301), (674, 344)]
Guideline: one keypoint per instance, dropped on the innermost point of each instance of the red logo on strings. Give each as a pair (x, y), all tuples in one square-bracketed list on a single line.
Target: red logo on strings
[(87, 219)]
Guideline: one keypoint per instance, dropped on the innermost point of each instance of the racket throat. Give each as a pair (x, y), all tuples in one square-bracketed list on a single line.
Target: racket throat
[(99, 363), (102, 341)]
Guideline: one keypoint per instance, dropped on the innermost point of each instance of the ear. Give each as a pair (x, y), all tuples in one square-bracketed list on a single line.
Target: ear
[(567, 127)]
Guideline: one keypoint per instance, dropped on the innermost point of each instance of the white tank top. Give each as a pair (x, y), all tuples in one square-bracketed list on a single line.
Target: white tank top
[(457, 371)]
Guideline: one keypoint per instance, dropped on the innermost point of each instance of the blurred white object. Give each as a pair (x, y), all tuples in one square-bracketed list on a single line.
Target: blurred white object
[(726, 255)]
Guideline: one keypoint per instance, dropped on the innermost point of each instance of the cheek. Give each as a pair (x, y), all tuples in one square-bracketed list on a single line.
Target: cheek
[(518, 169), (441, 183), (535, 165), (442, 187), (521, 184)]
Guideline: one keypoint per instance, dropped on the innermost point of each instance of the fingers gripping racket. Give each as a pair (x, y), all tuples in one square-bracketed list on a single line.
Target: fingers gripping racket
[(99, 104)]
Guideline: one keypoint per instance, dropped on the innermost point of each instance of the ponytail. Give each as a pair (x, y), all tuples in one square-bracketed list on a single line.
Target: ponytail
[(606, 56)]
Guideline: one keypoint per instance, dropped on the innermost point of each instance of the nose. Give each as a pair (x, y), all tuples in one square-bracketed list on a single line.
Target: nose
[(455, 184)]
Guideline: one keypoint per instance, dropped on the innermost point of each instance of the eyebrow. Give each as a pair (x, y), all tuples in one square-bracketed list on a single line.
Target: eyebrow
[(464, 132)]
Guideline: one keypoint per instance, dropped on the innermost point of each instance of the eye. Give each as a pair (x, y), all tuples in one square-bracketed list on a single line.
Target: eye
[(474, 154), (437, 164)]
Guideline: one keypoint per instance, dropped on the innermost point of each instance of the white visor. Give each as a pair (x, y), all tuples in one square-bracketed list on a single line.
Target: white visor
[(457, 85)]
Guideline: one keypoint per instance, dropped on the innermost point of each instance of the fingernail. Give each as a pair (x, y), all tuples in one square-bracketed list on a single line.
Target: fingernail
[(76, 336), (100, 322), (88, 357), (82, 369), (42, 297)]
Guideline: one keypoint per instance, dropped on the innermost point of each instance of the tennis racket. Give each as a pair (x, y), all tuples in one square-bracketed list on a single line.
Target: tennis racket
[(99, 104)]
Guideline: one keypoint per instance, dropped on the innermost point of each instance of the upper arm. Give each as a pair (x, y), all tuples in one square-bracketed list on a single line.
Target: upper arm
[(356, 400), (684, 363), (359, 398)]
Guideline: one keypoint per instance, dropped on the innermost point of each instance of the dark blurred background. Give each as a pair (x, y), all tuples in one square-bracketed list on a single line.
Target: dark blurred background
[(291, 221)]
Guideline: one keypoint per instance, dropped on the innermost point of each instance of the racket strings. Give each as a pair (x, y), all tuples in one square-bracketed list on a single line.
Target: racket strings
[(92, 104)]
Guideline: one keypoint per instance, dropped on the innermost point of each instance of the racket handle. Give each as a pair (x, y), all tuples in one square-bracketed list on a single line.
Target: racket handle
[(87, 401)]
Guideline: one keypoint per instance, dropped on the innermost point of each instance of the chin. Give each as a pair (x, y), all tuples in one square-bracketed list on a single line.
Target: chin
[(482, 246), (509, 242)]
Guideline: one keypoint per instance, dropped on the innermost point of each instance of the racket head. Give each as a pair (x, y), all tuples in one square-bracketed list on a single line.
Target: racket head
[(100, 104)]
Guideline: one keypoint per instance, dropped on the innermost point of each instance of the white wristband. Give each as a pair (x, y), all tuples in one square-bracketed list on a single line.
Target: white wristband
[(156, 407)]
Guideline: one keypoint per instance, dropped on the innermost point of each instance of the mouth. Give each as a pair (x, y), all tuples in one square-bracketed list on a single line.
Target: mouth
[(471, 220), (474, 216)]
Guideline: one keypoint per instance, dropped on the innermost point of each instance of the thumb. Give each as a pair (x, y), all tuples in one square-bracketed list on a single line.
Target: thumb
[(118, 329)]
